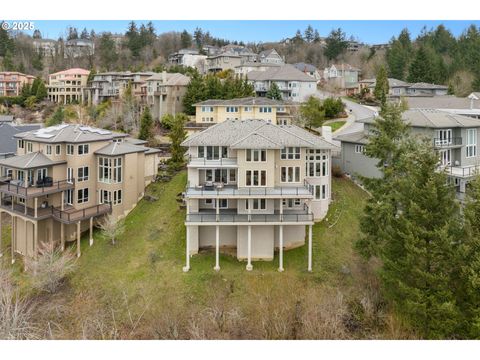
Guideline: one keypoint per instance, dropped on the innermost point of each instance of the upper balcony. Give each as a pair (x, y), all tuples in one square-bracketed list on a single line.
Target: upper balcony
[(462, 171), (452, 142), (40, 187), (222, 191), (297, 217), (212, 163)]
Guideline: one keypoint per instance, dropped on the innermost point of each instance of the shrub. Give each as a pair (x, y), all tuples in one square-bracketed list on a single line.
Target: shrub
[(337, 171), (51, 268)]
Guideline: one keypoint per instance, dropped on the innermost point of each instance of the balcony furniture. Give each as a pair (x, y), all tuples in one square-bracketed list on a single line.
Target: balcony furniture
[(208, 185), (45, 182), (44, 205), (16, 182), (219, 186)]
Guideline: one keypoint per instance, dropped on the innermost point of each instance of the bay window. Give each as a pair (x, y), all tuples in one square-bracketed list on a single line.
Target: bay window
[(110, 170)]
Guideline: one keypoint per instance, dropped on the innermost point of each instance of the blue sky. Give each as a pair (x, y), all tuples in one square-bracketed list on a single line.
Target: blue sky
[(368, 31)]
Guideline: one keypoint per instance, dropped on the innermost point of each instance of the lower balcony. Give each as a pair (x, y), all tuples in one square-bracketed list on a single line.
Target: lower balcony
[(462, 171), (220, 190), (41, 187), (232, 217)]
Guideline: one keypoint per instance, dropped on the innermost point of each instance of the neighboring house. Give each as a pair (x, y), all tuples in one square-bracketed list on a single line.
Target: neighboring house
[(190, 58), (395, 87), (253, 186), (223, 61), (468, 106), (455, 137), (308, 69), (270, 57), (4, 119), (11, 82), (245, 53), (344, 77), (246, 67), (210, 112), (64, 177), (422, 89), (165, 92), (78, 47), (45, 47), (294, 84), (67, 86), (111, 85), (8, 144)]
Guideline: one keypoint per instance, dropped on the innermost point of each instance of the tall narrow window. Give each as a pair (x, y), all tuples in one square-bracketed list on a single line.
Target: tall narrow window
[(471, 143)]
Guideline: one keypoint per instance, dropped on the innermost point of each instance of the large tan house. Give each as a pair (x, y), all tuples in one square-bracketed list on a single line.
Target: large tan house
[(67, 86), (165, 92), (64, 177), (11, 82), (214, 111), (254, 187)]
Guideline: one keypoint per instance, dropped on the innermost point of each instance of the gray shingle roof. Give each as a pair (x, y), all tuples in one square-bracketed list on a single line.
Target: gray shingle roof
[(8, 144), (422, 85), (304, 67), (282, 73), (29, 161), (392, 83), (122, 148), (442, 102), (254, 134), (173, 79), (429, 118), (69, 133), (356, 138), (248, 101)]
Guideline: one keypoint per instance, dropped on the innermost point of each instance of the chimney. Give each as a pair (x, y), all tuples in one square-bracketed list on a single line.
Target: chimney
[(327, 133), (164, 76)]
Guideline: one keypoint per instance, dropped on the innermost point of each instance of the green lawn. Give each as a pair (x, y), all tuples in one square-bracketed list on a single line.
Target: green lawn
[(335, 125), (136, 288)]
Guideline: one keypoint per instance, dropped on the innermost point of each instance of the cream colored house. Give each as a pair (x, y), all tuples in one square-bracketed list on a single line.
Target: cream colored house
[(67, 86), (211, 112), (254, 187), (65, 177)]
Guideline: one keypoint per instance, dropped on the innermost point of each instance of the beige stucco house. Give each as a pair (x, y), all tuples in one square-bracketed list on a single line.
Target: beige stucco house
[(65, 177), (254, 187), (215, 111), (67, 86)]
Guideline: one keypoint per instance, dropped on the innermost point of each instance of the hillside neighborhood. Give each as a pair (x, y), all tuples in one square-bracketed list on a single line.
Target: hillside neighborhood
[(182, 186)]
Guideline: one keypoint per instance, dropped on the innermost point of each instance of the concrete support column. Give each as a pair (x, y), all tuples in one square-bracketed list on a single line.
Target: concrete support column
[(62, 205), (35, 239), (187, 261), (35, 206), (91, 231), (62, 236), (249, 248), (217, 248), (78, 238), (280, 249), (281, 209), (310, 248), (217, 209), (12, 243)]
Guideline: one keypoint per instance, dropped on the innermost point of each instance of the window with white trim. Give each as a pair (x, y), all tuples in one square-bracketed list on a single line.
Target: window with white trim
[(471, 148), (83, 149), (254, 155), (82, 196), (321, 192), (232, 109), (359, 149), (82, 173), (70, 149), (317, 163), (265, 109), (117, 197), (222, 203), (110, 170), (58, 149), (48, 149), (257, 204), (21, 144), (290, 203), (29, 147), (256, 178), (290, 174), (290, 153), (207, 108)]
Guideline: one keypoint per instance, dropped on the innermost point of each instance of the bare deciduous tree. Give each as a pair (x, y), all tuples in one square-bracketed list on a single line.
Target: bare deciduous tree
[(15, 311), (50, 268), (112, 227)]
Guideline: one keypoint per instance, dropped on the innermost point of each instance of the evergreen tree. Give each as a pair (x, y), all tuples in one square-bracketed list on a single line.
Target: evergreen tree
[(312, 112), (8, 61), (421, 68), (37, 61), (309, 34), (198, 37), (274, 92), (41, 91), (398, 56), (195, 92), (177, 135), (133, 40), (35, 85), (57, 118), (146, 125), (381, 85), (336, 44), (185, 39), (469, 263), (316, 36), (25, 92), (84, 35), (107, 51), (72, 33), (37, 34)]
